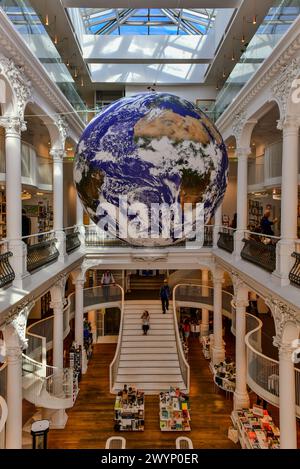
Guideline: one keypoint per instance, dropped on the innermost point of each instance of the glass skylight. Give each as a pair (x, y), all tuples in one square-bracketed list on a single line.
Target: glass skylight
[(147, 21)]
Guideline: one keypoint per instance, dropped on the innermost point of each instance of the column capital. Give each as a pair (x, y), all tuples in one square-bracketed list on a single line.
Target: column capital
[(241, 303), (14, 330), (57, 154), (282, 314), (288, 124), (57, 305), (13, 125), (242, 153), (79, 282), (218, 275)]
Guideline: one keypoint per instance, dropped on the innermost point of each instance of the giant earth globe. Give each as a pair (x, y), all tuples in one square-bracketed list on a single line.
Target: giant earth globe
[(143, 154)]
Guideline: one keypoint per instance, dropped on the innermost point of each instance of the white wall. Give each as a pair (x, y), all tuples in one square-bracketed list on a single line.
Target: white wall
[(191, 92)]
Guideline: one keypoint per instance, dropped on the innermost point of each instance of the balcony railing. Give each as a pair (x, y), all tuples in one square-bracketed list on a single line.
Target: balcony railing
[(295, 272), (260, 250), (72, 239), (41, 250), (226, 240), (7, 274), (96, 238)]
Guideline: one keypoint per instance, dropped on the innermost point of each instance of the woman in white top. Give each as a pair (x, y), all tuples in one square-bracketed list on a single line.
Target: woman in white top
[(145, 322)]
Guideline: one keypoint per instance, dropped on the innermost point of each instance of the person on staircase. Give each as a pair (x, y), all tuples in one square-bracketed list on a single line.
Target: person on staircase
[(145, 321), (165, 294), (106, 280)]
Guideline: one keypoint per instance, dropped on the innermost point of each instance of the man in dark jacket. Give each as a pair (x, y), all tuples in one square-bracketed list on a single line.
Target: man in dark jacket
[(266, 224), (165, 294), (26, 225)]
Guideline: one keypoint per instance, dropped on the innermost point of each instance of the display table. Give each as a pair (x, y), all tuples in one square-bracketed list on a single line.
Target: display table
[(174, 411), (224, 376), (129, 410), (255, 431)]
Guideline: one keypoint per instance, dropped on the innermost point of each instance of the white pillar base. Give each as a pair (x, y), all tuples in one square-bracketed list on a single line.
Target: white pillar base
[(61, 246), (238, 244), (241, 401), (84, 362), (218, 355), (19, 262), (57, 418), (204, 330), (284, 262)]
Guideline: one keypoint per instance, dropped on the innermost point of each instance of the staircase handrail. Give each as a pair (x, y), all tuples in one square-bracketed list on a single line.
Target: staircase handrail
[(269, 395)]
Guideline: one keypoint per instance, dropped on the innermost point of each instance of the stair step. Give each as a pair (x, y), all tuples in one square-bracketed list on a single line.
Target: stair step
[(137, 338), (136, 351), (147, 356), (164, 386), (151, 371), (146, 343), (145, 378), (146, 363), (138, 321), (161, 327)]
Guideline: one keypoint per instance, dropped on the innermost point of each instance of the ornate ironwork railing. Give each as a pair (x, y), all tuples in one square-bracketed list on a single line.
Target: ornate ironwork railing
[(7, 274), (260, 250), (294, 275), (41, 250), (72, 239), (226, 241)]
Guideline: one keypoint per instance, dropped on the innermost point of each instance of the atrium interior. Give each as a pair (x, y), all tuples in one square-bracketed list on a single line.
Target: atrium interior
[(101, 333)]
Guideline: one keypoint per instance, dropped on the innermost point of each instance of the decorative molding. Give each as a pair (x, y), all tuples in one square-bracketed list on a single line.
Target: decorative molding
[(282, 87), (57, 154), (149, 257), (62, 126), (15, 329), (16, 76), (282, 314), (238, 124), (13, 125)]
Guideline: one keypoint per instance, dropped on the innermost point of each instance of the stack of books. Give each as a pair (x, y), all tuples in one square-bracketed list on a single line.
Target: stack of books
[(174, 412)]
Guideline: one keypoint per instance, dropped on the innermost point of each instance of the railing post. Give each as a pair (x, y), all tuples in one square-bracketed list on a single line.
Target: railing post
[(217, 226)]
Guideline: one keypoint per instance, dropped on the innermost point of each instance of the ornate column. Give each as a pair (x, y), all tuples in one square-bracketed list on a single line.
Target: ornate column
[(15, 342), (79, 220), (287, 398), (289, 199), (241, 397), (79, 284), (218, 351), (242, 197), (57, 304), (58, 197), (204, 329), (13, 128), (218, 224)]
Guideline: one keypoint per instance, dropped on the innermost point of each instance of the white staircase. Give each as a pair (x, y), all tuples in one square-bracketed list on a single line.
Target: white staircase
[(149, 362)]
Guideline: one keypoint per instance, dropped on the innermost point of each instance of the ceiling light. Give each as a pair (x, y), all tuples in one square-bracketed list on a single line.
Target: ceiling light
[(40, 193), (70, 149), (254, 21), (243, 39), (75, 73), (47, 20), (224, 74), (55, 39), (68, 63), (82, 82), (233, 56)]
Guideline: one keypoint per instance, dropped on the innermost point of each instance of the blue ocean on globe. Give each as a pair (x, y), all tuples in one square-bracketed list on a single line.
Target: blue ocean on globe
[(152, 149)]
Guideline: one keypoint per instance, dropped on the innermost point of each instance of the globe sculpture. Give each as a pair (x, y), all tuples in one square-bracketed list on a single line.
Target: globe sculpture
[(146, 153)]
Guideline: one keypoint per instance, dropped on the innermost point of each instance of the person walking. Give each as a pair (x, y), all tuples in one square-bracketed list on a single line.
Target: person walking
[(145, 321), (165, 294), (107, 280), (187, 330)]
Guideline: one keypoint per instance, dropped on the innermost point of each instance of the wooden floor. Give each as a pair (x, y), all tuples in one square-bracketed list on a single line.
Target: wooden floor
[(90, 421)]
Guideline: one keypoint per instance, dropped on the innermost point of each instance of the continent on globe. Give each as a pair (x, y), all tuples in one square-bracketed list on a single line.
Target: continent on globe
[(145, 162)]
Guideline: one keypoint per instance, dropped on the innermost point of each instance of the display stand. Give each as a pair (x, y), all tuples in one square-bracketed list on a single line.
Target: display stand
[(174, 411), (75, 363), (256, 429), (130, 410), (224, 376)]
